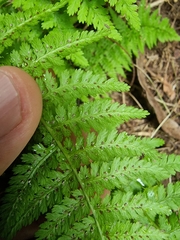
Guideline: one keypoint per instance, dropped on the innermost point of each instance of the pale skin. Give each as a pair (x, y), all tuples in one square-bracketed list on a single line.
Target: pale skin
[(12, 143)]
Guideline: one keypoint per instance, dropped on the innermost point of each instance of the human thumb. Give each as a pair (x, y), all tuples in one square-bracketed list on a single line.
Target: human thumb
[(20, 112)]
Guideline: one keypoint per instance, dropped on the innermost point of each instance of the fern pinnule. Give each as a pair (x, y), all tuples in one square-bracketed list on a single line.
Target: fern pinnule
[(129, 10), (136, 230), (73, 7), (171, 163)]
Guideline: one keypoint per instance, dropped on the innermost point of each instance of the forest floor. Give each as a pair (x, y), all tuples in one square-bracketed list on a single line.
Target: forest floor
[(155, 86)]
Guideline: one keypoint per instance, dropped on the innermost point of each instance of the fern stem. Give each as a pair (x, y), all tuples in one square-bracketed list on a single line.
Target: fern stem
[(76, 175)]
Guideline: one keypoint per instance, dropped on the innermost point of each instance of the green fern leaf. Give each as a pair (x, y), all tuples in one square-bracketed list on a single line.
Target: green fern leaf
[(14, 24), (106, 58), (159, 29), (129, 10), (63, 216), (97, 147), (21, 187), (78, 59), (73, 6), (119, 173), (91, 12), (94, 114), (129, 230), (69, 87), (57, 45)]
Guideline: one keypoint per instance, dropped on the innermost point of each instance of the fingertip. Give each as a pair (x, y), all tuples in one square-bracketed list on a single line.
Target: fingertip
[(20, 117)]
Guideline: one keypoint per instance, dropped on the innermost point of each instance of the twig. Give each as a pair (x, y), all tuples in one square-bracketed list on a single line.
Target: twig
[(160, 125), (136, 101), (157, 3)]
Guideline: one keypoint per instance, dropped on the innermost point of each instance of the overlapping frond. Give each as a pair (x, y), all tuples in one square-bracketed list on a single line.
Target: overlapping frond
[(19, 24), (106, 58), (93, 13), (127, 8), (27, 185), (159, 28), (51, 51)]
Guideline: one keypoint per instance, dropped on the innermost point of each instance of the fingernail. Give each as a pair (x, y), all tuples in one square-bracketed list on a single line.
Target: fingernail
[(10, 106)]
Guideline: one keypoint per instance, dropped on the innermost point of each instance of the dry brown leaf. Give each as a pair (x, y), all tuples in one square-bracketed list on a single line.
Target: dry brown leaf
[(177, 53), (170, 126), (168, 89)]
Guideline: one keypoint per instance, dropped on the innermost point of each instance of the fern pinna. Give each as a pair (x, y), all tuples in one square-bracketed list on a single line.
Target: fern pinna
[(75, 50)]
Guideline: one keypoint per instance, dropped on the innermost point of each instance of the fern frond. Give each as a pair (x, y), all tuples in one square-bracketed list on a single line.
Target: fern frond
[(25, 182), (127, 8), (124, 206), (90, 12), (154, 28), (132, 40), (105, 55), (84, 229), (64, 227), (93, 13), (63, 216), (53, 48), (43, 197), (18, 25)]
